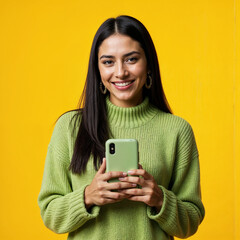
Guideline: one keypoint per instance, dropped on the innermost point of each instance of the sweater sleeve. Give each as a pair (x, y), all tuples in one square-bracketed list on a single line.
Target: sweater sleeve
[(182, 210), (62, 209)]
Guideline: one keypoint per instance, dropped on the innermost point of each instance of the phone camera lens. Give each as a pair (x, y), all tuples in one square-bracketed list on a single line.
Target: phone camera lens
[(112, 148)]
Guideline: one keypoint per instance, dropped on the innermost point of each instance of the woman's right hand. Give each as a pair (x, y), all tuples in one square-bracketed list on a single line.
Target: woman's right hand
[(99, 191)]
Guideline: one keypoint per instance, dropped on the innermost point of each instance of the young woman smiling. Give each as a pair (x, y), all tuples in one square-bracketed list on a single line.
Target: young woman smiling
[(123, 69), (123, 98)]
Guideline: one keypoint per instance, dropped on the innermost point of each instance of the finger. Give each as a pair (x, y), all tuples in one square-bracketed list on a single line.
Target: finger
[(103, 166), (133, 191), (137, 198), (140, 172), (114, 195), (137, 180), (113, 174), (140, 166), (109, 200), (119, 185)]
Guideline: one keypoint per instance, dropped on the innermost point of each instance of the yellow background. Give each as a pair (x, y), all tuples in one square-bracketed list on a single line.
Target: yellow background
[(44, 50)]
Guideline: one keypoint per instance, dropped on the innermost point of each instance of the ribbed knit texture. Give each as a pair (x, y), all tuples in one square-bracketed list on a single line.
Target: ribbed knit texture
[(167, 151)]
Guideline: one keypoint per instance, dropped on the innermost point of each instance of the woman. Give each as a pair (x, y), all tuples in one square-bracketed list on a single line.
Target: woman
[(123, 98)]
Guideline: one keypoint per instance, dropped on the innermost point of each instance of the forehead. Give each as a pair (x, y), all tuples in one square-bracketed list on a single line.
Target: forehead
[(119, 44)]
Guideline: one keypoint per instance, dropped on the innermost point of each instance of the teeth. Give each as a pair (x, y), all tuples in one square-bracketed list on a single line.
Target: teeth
[(123, 84)]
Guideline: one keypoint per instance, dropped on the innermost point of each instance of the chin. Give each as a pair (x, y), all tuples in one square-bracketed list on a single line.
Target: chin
[(124, 98)]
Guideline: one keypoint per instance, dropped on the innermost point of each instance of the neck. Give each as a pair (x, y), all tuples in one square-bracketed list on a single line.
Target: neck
[(130, 117), (128, 103)]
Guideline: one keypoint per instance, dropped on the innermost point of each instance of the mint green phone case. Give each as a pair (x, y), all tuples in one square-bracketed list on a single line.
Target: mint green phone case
[(125, 156)]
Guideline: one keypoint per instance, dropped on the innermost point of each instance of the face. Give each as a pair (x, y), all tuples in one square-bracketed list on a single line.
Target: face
[(123, 68)]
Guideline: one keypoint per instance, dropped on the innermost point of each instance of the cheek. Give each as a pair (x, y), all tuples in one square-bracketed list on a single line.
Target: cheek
[(140, 71), (105, 73)]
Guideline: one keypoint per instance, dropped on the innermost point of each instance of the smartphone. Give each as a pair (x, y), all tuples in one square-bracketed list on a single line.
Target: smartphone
[(121, 155)]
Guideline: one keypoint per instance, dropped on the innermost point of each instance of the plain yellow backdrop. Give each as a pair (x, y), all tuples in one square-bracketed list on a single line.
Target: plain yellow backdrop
[(44, 50)]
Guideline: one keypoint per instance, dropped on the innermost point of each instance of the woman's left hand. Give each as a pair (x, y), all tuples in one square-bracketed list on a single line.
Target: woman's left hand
[(150, 193)]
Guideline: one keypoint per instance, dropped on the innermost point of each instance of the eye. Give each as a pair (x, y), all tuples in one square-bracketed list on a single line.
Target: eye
[(131, 60), (107, 62)]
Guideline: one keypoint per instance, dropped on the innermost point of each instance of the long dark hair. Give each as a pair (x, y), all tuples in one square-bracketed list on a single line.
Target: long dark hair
[(91, 116)]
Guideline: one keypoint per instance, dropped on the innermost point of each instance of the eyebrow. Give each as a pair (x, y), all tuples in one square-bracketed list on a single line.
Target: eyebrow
[(125, 55)]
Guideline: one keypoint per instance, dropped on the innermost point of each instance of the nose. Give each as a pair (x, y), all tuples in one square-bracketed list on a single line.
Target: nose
[(121, 71)]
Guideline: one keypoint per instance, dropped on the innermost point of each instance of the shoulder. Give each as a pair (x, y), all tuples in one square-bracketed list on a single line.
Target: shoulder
[(67, 119), (173, 123), (64, 126), (182, 131)]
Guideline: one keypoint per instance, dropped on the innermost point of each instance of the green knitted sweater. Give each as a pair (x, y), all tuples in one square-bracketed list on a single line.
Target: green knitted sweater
[(167, 150)]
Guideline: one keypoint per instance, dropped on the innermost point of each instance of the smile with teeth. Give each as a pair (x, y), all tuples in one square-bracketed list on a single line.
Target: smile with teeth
[(122, 84)]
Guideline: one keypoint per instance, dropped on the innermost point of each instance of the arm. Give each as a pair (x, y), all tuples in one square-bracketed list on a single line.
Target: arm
[(178, 210), (182, 210), (62, 209)]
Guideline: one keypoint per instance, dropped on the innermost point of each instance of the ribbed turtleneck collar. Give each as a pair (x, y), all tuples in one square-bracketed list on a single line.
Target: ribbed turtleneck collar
[(130, 117)]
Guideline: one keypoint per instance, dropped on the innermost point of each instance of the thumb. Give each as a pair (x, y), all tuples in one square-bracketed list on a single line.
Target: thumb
[(103, 166), (140, 166)]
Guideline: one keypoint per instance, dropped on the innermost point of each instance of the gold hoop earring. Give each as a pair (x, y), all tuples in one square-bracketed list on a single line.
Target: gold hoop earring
[(103, 91), (148, 86)]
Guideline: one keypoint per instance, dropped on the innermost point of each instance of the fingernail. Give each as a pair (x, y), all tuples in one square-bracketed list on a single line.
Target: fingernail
[(134, 184), (121, 179), (124, 174), (130, 172)]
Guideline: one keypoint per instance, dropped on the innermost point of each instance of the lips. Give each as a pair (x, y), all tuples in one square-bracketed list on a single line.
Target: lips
[(123, 85)]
